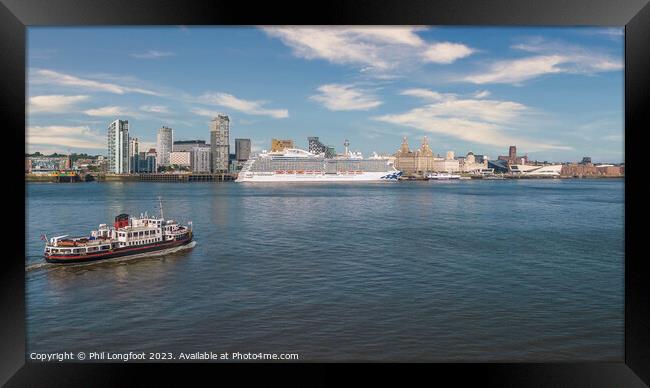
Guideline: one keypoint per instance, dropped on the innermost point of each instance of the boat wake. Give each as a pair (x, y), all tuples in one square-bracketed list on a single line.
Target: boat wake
[(45, 265)]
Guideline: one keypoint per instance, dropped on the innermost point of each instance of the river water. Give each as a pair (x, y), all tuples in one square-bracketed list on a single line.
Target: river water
[(515, 270)]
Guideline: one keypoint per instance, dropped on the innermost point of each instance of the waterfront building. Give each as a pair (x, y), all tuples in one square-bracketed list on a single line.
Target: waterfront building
[(133, 154), (180, 158), (147, 162), (188, 145), (499, 165), (118, 147), (512, 157), (242, 149), (423, 160), (445, 165), (450, 155), (46, 164), (220, 142), (481, 158), (470, 163), (582, 170), (278, 145), (405, 158), (586, 160), (200, 159), (164, 144), (315, 146), (536, 170)]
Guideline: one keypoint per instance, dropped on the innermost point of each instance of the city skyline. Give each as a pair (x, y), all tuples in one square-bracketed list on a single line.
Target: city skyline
[(556, 93)]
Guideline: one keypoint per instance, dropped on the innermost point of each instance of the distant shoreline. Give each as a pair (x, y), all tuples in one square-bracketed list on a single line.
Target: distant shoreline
[(136, 179)]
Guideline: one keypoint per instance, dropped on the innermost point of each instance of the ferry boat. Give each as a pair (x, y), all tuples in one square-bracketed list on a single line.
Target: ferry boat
[(442, 176), (297, 165), (128, 236)]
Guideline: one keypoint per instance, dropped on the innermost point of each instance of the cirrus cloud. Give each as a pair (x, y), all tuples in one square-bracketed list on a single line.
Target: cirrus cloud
[(51, 77), (246, 106), (548, 57), (108, 111), (64, 137), (54, 103), (153, 54)]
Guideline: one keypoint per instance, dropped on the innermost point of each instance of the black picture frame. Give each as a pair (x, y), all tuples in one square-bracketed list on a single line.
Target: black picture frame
[(16, 15)]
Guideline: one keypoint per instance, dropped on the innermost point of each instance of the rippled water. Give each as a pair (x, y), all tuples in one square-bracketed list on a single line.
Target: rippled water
[(437, 271)]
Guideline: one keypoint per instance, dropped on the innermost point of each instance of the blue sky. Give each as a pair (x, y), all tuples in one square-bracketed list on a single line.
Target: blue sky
[(556, 93)]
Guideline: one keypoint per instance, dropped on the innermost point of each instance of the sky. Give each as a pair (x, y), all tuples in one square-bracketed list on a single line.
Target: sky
[(554, 92)]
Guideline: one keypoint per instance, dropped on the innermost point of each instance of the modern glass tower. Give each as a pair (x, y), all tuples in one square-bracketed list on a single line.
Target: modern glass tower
[(118, 147), (220, 142)]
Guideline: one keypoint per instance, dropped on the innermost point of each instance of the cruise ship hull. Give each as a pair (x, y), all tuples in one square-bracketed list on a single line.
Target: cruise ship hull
[(318, 177), (118, 252)]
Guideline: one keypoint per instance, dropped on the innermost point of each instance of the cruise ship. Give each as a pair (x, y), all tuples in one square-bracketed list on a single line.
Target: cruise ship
[(128, 236), (297, 165)]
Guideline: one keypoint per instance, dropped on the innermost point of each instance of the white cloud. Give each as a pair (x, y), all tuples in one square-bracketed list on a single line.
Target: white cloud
[(550, 58), (345, 97), (478, 121), (154, 109), (518, 70), (108, 111), (375, 49), (153, 54), (482, 94), (427, 94), (446, 52), (246, 106), (64, 136), (206, 112), (55, 103), (44, 76)]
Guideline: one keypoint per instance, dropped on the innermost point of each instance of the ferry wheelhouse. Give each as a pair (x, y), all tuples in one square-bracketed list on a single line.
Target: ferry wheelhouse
[(128, 236)]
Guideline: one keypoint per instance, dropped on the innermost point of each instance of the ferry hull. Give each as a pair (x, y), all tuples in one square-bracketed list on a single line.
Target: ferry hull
[(122, 252), (365, 176)]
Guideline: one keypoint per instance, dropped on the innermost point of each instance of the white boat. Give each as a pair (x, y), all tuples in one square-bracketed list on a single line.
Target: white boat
[(296, 165), (129, 236), (442, 176)]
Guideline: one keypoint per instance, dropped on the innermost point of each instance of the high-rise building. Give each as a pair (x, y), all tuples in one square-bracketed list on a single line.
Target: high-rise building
[(242, 149), (220, 142), (134, 144), (200, 159), (187, 145), (164, 144), (280, 144), (118, 147)]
